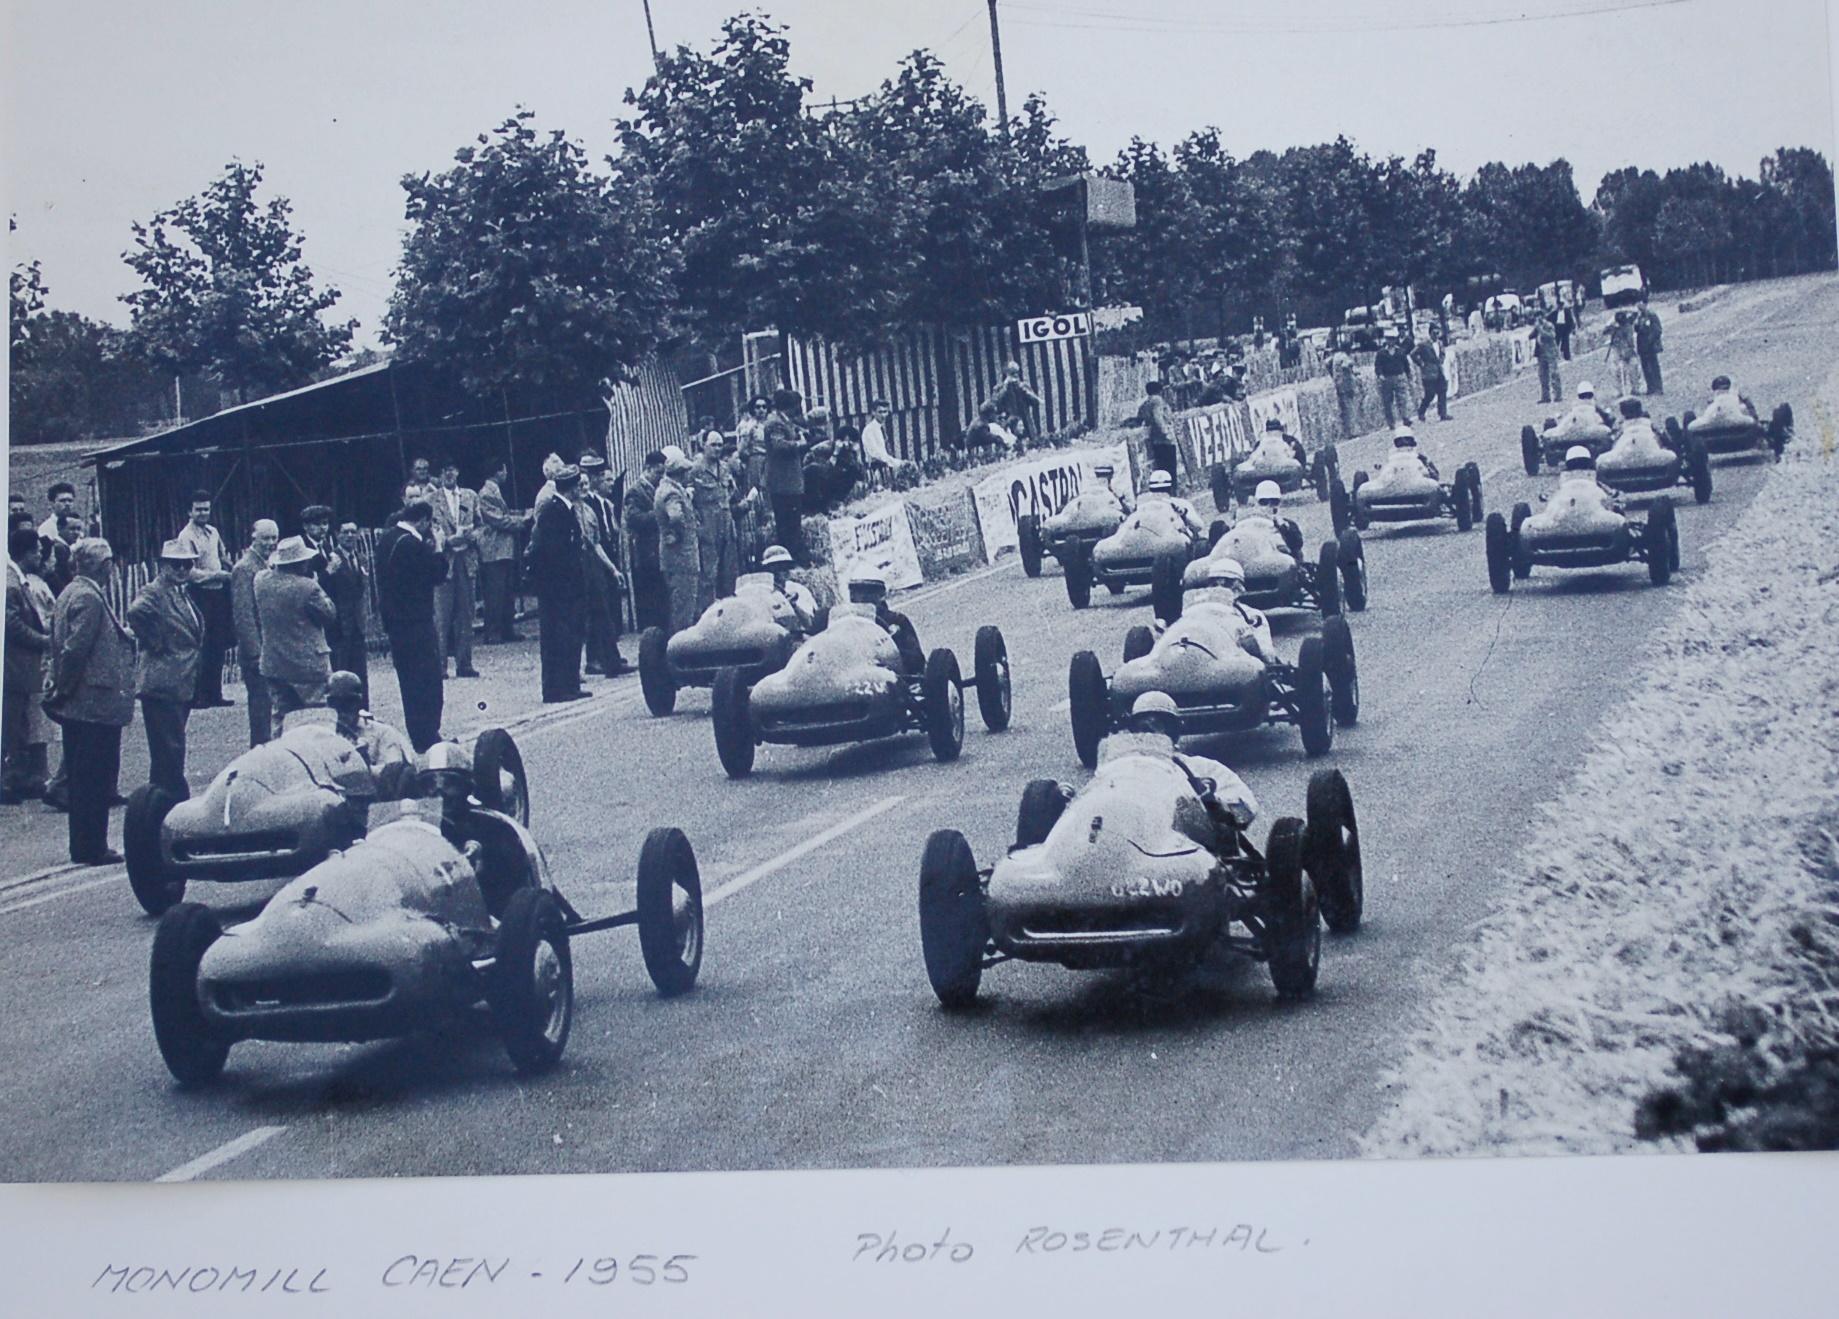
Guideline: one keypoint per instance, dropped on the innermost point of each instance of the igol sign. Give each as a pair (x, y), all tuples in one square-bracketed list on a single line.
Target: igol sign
[(1039, 329)]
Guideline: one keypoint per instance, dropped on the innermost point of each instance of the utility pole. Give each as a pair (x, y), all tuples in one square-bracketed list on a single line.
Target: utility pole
[(657, 62), (996, 51)]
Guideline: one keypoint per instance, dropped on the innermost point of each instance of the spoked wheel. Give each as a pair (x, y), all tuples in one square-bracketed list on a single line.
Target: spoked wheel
[(531, 986), (1138, 642), (155, 885), (1343, 672), (995, 696), (1522, 559), (670, 911), (1353, 570), (193, 1049), (1042, 805), (954, 928), (1028, 542), (1328, 579), (1165, 586), (944, 705), (1077, 569), (731, 718), (499, 781), (1332, 846), (1530, 457), (1292, 918), (1088, 695), (655, 678), (1313, 700), (1500, 554)]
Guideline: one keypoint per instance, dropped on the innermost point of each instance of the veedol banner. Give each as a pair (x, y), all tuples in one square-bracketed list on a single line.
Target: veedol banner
[(878, 544), (1041, 486), (1215, 435), (1279, 403)]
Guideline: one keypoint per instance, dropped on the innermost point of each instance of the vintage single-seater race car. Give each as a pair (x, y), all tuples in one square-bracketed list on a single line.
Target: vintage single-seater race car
[(1135, 871), (851, 683), (1579, 528), (1217, 685), (1403, 490), (412, 930), (284, 806), (1730, 425), (1584, 424), (1069, 533), (1276, 574), (1276, 457), (754, 630), (1152, 547), (1642, 462)]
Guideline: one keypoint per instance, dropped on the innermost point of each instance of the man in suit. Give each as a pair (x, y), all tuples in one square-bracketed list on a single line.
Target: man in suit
[(90, 693), (170, 633), (294, 614), (63, 497), (210, 588), (599, 549), (556, 568), (57, 568), (262, 538), (350, 592), (456, 520), (316, 532), (785, 472), (713, 491), (409, 568), (649, 605), (28, 637), (678, 548), (420, 483), (499, 527)]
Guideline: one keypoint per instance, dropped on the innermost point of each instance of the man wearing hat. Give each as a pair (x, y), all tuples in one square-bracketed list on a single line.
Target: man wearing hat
[(408, 570), (294, 613), (350, 592), (456, 520), (717, 548), (599, 548), (1392, 369), (785, 471), (262, 537), (170, 633), (776, 561), (873, 591), (557, 569), (499, 527), (678, 551), (650, 606), (89, 693)]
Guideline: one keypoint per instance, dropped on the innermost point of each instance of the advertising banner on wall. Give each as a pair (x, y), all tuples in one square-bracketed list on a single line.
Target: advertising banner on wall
[(1215, 435), (1279, 403), (1041, 486), (878, 543), (945, 534)]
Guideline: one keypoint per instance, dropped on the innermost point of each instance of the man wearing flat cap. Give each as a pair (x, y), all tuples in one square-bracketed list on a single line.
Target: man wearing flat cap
[(89, 692), (678, 550), (294, 613), (557, 571), (170, 633), (599, 548)]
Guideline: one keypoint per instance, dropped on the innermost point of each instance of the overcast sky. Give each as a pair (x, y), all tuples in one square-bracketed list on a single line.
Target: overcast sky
[(115, 110)]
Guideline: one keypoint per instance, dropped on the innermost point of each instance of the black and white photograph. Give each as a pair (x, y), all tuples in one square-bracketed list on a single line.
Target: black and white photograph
[(737, 586)]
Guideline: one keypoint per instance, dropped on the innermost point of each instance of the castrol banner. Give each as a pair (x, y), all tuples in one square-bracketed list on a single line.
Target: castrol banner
[(1040, 486)]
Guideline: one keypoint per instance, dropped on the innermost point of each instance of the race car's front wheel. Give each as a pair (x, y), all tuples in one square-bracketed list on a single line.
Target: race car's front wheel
[(1660, 542), (1353, 569), (655, 678), (995, 694), (954, 928), (1475, 510), (1138, 642), (732, 721), (1028, 543), (1077, 569), (1087, 696), (1328, 579), (1530, 457), (499, 780), (1343, 672), (1500, 554), (1332, 843), (1698, 467), (944, 705), (530, 987), (1313, 701), (1165, 586), (1462, 503), (193, 1049), (1042, 804), (155, 885), (1292, 916), (1781, 429), (1338, 514), (1517, 550), (1355, 511), (670, 911)]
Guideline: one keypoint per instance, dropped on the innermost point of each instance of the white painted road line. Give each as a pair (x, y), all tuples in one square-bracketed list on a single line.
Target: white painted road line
[(49, 872), (185, 1172), (119, 877), (805, 848)]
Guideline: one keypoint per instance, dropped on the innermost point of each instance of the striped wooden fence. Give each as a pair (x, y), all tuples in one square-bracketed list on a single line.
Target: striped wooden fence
[(645, 415), (1055, 370)]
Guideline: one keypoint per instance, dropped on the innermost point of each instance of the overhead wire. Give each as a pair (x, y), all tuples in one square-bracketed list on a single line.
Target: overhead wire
[(1090, 20)]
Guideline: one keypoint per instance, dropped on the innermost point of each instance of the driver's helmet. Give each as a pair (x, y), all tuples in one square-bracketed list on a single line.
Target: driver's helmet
[(1630, 408), (1156, 712), (1103, 472), (1720, 384), (1402, 438), (345, 690), (1578, 458), (777, 556), (1586, 391), (1273, 426), (1223, 582), (446, 771), (1269, 496), (1159, 480), (867, 590)]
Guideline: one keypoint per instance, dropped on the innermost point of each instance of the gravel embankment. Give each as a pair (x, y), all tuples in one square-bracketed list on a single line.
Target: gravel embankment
[(1680, 897)]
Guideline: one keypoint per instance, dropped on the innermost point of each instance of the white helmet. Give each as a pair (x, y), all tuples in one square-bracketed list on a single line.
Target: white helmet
[(776, 555), (1159, 480), (1402, 438), (1155, 712), (1578, 458), (1268, 490), (1586, 390), (1226, 572)]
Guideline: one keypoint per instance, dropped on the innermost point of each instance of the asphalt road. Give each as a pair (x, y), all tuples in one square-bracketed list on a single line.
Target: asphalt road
[(813, 1039)]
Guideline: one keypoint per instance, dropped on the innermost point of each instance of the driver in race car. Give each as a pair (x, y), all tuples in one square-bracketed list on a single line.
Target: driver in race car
[(1587, 411), (1274, 425), (1160, 489), (1727, 405), (873, 591), (1404, 442), (1269, 499), (1634, 419), (1154, 725), (388, 753), (485, 840), (1580, 471), (779, 562), (1223, 585), (1102, 474)]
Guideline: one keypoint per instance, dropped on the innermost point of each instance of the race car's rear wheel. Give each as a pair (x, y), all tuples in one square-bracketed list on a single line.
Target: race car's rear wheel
[(1698, 467), (193, 1049), (155, 885), (530, 987), (944, 705), (1320, 475), (1521, 556), (995, 696), (1675, 436), (499, 781), (1530, 457), (1042, 804), (1292, 917), (1781, 429), (1028, 542), (1343, 671), (670, 911), (655, 678), (1660, 542), (1313, 700), (1077, 568), (1088, 696), (1165, 586), (1332, 843), (1357, 513), (1138, 642), (1338, 512), (1328, 579), (1353, 570), (1463, 504), (731, 717), (1221, 481), (1500, 554), (954, 929), (1476, 509)]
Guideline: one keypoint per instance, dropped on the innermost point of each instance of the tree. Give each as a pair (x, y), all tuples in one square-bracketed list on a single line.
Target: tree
[(523, 266), (1688, 233), (1803, 181), (226, 292), (1155, 265), (25, 289), (78, 381), (1238, 245)]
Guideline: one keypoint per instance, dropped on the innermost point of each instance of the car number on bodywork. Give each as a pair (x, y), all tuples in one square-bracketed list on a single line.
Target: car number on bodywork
[(1146, 888)]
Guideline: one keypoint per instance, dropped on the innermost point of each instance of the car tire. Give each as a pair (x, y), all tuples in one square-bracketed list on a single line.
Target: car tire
[(1531, 458), (153, 882), (1165, 586), (1041, 808), (944, 705), (731, 717), (1319, 476), (1698, 467), (1781, 428), (193, 1049), (954, 928), (1343, 671), (1115, 588), (1328, 579), (1292, 918), (1354, 511), (1500, 554), (1675, 436), (1028, 543), (1339, 515), (1220, 479), (530, 987), (1476, 508), (1332, 846), (1314, 703), (1077, 568), (1353, 570), (1138, 642), (1215, 530), (496, 759), (995, 693), (1659, 541), (1089, 697), (1522, 558), (1463, 504), (670, 925), (655, 678)]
